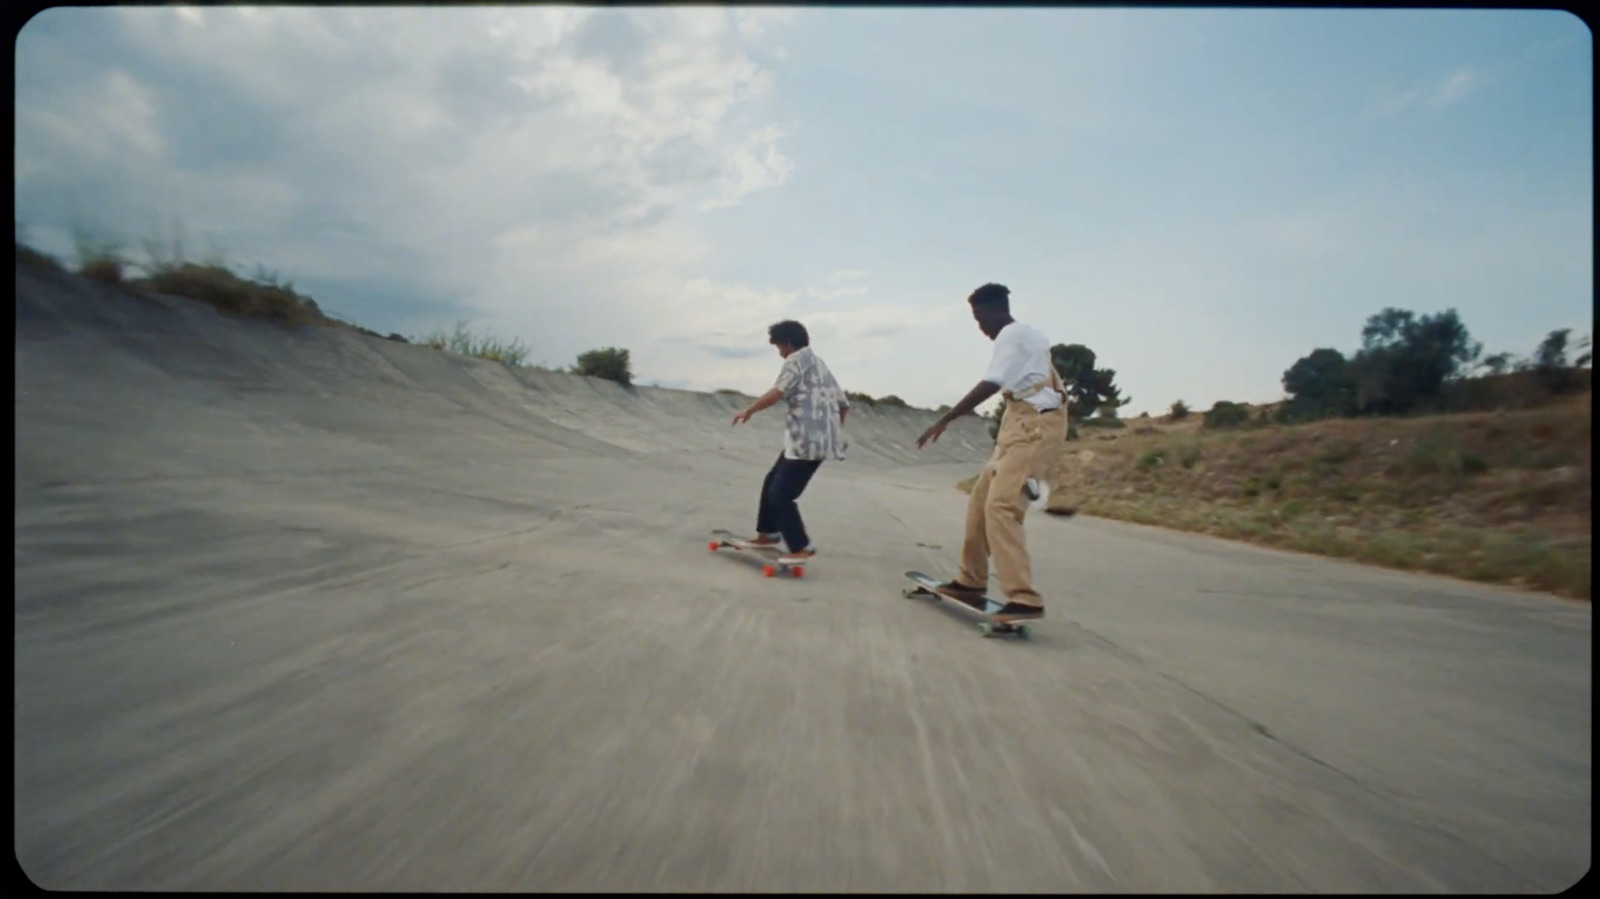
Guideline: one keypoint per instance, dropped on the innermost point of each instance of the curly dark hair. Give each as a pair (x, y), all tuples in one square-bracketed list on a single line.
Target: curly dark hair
[(992, 296), (789, 333)]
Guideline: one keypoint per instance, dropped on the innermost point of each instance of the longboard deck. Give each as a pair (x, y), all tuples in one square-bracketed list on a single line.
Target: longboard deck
[(721, 538), (983, 605)]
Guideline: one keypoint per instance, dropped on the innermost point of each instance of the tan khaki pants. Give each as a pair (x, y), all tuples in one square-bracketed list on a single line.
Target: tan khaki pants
[(1028, 445)]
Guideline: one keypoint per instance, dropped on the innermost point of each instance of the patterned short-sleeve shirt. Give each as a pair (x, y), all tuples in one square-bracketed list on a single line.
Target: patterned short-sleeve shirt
[(814, 430)]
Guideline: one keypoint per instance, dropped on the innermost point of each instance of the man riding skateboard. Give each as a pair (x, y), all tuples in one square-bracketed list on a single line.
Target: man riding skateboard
[(814, 432), (1032, 431)]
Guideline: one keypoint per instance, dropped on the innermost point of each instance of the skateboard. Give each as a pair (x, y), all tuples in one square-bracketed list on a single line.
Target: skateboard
[(989, 627), (721, 538)]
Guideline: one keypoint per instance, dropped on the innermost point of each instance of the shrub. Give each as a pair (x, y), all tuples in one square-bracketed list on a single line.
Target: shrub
[(99, 258), (1224, 414), (1179, 411), (1438, 452), (106, 269), (610, 363), (1189, 456), (1151, 460)]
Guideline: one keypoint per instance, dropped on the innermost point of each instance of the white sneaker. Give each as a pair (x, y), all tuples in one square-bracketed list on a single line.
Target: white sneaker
[(1037, 492)]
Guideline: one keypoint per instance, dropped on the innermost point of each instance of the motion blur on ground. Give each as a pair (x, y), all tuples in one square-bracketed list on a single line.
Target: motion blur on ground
[(301, 606)]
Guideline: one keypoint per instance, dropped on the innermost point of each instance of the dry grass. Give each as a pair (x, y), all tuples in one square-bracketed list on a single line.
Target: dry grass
[(464, 343), (168, 271), (1498, 497), (218, 286)]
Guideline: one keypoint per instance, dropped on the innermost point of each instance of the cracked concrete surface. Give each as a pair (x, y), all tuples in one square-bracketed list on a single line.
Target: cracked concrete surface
[(317, 611)]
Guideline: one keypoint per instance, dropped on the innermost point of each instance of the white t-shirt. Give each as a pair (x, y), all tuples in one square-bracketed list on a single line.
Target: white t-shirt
[(1022, 359)]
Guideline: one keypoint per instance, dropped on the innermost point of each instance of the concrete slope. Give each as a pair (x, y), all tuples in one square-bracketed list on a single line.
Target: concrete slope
[(302, 609)]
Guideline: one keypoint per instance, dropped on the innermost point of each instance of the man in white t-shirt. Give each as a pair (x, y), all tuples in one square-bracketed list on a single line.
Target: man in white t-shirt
[(1032, 432)]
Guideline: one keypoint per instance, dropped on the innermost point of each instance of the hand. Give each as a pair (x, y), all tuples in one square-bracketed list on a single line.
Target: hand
[(932, 434), (741, 418)]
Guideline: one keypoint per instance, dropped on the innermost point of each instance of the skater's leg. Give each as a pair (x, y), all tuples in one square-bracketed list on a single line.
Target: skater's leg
[(766, 522), (1004, 507), (790, 481), (974, 574)]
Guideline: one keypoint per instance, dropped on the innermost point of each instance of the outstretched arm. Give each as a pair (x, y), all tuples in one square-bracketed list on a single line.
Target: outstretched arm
[(974, 398), (971, 401), (766, 400)]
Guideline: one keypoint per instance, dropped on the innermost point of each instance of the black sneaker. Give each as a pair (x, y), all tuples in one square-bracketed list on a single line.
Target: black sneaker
[(971, 597), (1016, 611)]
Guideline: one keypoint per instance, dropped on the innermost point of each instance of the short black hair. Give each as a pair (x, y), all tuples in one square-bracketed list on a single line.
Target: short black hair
[(992, 296), (789, 333)]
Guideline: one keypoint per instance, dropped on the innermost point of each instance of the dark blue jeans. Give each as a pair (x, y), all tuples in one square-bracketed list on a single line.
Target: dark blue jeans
[(779, 511)]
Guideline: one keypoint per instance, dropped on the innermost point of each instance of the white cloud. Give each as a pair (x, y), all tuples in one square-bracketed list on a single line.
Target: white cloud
[(539, 168), (759, 23), (755, 166), (1300, 236), (826, 294), (113, 117), (1454, 88), (1435, 93)]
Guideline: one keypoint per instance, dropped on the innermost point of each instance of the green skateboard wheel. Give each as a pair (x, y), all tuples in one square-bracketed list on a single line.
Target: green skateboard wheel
[(985, 628)]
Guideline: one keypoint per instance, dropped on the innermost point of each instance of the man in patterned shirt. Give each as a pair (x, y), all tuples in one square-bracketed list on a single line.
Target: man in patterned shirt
[(814, 433)]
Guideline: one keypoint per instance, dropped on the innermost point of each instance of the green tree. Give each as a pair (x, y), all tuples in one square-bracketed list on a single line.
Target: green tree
[(1552, 351), (993, 419), (1405, 360), (1550, 363), (1319, 385), (1090, 390), (1496, 365)]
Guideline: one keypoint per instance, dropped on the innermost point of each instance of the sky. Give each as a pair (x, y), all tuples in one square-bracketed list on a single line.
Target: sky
[(1200, 196)]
